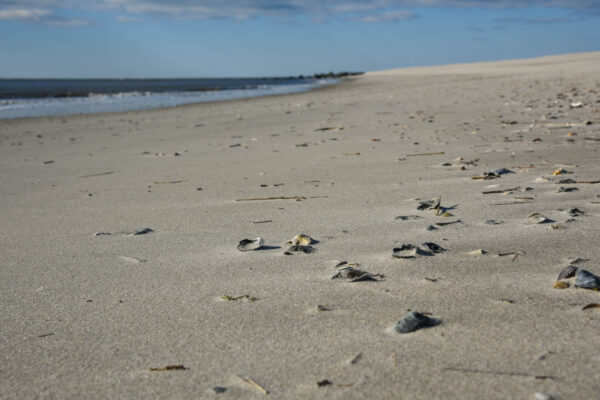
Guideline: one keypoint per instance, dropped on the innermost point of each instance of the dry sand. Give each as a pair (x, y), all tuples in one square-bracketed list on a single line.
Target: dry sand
[(87, 316)]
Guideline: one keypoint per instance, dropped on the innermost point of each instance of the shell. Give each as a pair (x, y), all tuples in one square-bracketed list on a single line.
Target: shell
[(477, 252), (409, 251), (565, 181), (492, 222), (301, 248), (575, 212), (560, 285), (432, 204), (300, 239), (414, 321), (537, 218), (587, 280), (434, 247), (407, 217), (354, 275), (568, 272), (250, 244)]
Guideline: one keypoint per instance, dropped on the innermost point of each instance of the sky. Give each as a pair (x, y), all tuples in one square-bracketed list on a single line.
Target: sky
[(258, 38)]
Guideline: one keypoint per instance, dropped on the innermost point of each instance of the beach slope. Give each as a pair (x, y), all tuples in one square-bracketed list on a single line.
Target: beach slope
[(119, 241)]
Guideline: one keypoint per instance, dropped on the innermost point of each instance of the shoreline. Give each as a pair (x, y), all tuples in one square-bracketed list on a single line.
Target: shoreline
[(89, 308), (317, 87)]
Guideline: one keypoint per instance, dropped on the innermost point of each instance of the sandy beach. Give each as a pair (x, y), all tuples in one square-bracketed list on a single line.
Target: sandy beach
[(89, 307)]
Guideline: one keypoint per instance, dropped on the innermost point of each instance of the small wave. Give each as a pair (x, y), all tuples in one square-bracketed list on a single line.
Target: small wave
[(140, 100)]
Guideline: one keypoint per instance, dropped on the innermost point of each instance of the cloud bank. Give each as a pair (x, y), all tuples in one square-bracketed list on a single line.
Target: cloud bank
[(40, 16), (47, 11)]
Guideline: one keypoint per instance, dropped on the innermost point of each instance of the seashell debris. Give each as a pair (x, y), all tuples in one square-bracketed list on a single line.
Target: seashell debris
[(250, 244), (301, 249), (565, 181), (413, 321), (300, 239), (355, 275), (537, 218), (562, 189), (568, 272), (477, 252), (586, 280), (433, 204), (409, 251), (576, 212), (560, 285), (434, 247), (407, 217), (493, 222), (560, 171)]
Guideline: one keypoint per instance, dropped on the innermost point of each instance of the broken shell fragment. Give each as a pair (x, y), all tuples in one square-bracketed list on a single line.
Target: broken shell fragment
[(301, 249), (568, 272), (575, 212), (560, 285), (565, 181), (477, 252), (497, 173), (250, 244), (414, 321), (492, 222), (562, 189), (409, 251), (300, 239), (432, 204), (407, 217), (587, 280), (537, 218), (354, 275), (434, 247), (141, 232), (560, 171)]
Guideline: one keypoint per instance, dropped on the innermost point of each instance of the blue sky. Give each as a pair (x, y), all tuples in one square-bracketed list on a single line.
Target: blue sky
[(228, 38)]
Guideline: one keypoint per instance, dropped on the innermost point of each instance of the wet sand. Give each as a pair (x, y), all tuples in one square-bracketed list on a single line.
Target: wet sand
[(88, 307)]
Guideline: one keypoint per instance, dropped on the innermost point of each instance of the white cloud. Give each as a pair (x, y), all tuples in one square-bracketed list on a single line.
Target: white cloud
[(39, 16), (389, 16), (318, 10), (24, 14), (127, 19)]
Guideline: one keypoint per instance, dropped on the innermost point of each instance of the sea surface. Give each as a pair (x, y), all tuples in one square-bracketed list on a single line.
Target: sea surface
[(50, 97)]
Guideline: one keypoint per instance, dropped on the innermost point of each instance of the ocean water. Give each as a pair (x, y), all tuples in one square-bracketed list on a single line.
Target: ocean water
[(52, 97)]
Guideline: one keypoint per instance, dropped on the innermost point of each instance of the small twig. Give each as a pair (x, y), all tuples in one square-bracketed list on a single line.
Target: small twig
[(480, 371), (250, 382), (355, 359), (100, 174), (166, 182), (447, 223), (178, 367), (282, 198), (425, 154), (500, 190), (512, 202)]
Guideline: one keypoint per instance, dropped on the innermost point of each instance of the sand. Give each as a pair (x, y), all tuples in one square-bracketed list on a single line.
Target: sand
[(87, 308)]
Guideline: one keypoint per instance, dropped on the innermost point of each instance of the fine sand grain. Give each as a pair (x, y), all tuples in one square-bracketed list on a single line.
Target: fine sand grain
[(120, 275)]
